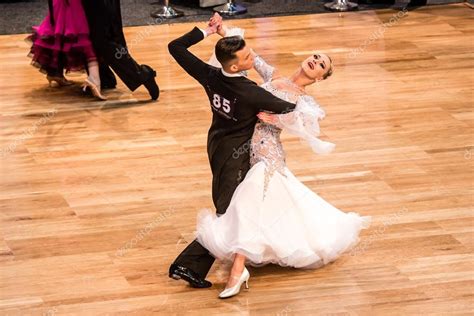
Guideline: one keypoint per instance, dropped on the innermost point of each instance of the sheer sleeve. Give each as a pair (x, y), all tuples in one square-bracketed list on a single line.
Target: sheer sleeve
[(264, 70), (303, 122), (234, 31)]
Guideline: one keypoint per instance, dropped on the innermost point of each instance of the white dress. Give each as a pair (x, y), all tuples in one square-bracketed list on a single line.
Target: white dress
[(273, 217)]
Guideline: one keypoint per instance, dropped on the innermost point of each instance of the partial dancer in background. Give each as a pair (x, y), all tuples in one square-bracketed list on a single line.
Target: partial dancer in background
[(273, 217), (61, 43), (105, 21)]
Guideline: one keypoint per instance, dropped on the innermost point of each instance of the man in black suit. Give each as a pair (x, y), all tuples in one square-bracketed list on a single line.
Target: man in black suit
[(235, 102), (105, 27)]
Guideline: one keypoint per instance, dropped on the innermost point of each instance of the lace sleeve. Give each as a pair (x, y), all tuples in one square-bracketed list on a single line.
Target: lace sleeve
[(303, 122), (234, 31), (264, 70)]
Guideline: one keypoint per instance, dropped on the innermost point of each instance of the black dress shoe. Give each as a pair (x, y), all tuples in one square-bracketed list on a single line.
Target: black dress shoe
[(150, 83), (178, 272)]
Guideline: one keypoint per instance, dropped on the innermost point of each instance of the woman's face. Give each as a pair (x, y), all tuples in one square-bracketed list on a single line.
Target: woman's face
[(315, 66)]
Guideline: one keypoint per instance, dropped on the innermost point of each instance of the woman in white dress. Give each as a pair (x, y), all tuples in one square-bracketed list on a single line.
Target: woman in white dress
[(273, 217)]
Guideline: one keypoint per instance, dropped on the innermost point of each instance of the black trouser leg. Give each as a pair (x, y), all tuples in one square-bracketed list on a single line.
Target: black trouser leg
[(228, 179), (129, 71), (107, 77), (105, 24), (195, 256)]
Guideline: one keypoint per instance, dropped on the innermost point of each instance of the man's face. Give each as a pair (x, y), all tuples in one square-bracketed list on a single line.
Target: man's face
[(315, 66), (244, 60)]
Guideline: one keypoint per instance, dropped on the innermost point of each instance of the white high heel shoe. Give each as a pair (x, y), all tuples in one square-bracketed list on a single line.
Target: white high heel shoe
[(244, 277)]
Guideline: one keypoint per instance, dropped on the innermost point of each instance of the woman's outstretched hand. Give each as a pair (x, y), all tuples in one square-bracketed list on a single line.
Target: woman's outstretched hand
[(221, 27), (216, 19), (214, 23)]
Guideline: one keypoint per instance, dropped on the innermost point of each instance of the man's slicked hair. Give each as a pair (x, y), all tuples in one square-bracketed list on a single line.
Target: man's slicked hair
[(226, 48)]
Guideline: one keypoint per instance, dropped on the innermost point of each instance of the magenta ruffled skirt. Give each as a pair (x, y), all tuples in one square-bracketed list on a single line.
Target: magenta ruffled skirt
[(64, 45)]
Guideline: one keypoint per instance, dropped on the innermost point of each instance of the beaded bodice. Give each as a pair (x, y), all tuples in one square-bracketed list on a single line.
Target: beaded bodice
[(303, 121), (266, 145)]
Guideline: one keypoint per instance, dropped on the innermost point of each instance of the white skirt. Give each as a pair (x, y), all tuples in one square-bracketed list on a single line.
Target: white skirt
[(292, 226)]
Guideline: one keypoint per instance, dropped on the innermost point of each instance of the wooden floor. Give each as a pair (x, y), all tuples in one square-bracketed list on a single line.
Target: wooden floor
[(98, 198)]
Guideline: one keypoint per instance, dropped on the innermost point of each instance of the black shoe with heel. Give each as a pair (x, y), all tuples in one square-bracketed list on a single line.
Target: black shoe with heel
[(178, 272), (150, 83)]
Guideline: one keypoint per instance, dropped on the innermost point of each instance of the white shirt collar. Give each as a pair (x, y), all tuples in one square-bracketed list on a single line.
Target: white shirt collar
[(239, 74)]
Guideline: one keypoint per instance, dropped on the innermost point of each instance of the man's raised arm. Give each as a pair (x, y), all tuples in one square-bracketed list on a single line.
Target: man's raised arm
[(178, 48)]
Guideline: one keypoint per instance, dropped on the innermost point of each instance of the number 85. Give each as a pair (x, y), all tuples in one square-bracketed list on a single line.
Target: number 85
[(219, 101)]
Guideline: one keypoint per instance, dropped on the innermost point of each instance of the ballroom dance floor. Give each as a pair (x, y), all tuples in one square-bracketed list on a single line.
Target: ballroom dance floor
[(98, 198)]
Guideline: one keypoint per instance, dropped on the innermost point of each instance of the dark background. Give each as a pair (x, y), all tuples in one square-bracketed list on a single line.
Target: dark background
[(19, 16)]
